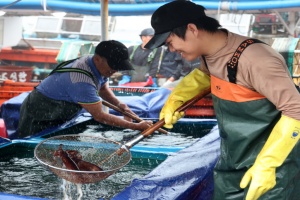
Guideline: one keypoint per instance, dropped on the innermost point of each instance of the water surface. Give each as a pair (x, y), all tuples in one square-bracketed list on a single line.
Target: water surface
[(23, 175)]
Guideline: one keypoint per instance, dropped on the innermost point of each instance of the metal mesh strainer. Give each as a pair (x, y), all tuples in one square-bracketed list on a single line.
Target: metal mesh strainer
[(94, 150)]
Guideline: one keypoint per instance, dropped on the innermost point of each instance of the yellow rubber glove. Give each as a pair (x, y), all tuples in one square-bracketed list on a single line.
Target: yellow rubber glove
[(191, 85), (280, 143)]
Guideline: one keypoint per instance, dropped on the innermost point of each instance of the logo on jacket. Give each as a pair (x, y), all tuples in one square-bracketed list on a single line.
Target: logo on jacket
[(295, 134)]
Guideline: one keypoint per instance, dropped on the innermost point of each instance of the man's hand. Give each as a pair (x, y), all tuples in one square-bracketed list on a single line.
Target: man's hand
[(191, 85), (143, 125), (260, 178), (278, 146), (169, 114), (125, 108)]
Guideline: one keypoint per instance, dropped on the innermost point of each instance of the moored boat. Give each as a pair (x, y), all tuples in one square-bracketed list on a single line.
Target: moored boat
[(144, 101), (156, 148), (153, 149), (10, 89)]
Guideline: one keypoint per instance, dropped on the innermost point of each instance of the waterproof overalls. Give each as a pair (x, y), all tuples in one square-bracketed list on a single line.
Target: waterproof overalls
[(246, 119), (39, 112), (141, 73)]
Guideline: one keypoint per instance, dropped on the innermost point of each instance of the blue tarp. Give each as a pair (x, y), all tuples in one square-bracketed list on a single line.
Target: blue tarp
[(5, 196), (141, 7), (4, 141), (187, 174), (146, 106)]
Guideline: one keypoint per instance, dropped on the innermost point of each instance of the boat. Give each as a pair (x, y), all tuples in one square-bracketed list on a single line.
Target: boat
[(146, 102), (205, 139), (154, 153), (163, 181)]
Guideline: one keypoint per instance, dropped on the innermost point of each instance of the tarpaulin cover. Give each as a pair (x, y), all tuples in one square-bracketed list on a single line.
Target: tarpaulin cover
[(187, 174), (4, 141), (5, 196), (146, 106)]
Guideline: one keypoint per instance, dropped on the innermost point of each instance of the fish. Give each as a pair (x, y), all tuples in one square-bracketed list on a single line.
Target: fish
[(82, 164), (68, 162)]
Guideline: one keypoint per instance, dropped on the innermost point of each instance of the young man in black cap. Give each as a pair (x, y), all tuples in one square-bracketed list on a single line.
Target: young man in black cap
[(144, 61), (255, 100), (76, 84)]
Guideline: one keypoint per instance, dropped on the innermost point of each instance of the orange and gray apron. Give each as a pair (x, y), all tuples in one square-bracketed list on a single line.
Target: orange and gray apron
[(246, 119)]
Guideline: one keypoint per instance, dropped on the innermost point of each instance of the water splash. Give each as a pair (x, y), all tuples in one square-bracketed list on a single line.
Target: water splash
[(79, 191), (67, 190)]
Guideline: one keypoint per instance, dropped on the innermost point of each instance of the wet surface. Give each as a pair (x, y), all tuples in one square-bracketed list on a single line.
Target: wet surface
[(156, 139), (22, 174)]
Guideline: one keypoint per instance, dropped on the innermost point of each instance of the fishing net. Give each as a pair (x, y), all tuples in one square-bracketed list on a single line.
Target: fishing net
[(94, 150)]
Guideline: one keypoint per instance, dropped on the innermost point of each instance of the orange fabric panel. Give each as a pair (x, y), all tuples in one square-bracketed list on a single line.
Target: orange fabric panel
[(30, 55), (232, 92), (206, 101), (12, 83), (200, 112)]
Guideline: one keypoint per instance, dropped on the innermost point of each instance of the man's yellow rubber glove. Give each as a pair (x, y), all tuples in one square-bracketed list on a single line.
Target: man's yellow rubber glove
[(280, 143), (191, 85)]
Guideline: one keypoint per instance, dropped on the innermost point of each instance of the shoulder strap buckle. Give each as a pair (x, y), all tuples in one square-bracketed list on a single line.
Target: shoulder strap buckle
[(232, 64)]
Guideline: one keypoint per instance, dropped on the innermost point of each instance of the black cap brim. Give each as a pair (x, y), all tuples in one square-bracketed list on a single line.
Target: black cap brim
[(157, 40), (124, 65)]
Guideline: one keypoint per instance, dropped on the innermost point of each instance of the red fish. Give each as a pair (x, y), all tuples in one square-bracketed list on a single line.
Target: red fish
[(82, 165), (68, 162)]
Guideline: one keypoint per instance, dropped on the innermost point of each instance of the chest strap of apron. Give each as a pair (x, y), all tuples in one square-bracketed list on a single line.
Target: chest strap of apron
[(60, 69), (232, 64)]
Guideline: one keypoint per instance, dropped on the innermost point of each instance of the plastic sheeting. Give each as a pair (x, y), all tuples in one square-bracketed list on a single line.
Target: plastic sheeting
[(187, 174), (17, 197), (147, 105), (140, 8), (4, 141)]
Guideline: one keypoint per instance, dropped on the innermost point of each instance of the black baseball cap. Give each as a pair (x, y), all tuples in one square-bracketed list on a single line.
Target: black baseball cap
[(115, 53), (147, 32), (170, 16)]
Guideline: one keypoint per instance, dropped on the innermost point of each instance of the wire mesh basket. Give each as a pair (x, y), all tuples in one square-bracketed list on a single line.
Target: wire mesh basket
[(94, 150)]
